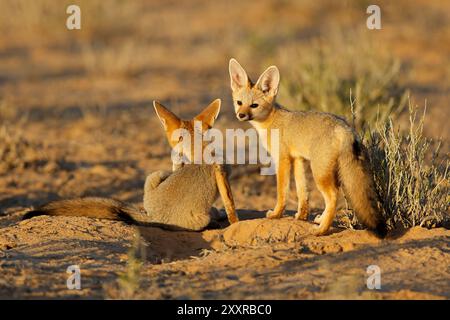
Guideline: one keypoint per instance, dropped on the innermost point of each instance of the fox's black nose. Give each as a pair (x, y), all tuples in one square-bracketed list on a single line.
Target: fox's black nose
[(242, 115)]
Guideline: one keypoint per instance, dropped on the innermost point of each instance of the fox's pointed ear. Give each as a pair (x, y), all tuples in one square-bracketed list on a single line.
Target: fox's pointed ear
[(269, 81), (167, 118), (210, 113), (238, 76)]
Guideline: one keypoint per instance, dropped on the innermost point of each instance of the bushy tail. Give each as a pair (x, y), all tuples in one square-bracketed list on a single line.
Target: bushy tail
[(358, 184), (100, 208)]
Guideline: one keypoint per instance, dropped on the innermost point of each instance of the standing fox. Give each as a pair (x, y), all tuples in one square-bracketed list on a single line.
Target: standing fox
[(327, 141), (181, 200)]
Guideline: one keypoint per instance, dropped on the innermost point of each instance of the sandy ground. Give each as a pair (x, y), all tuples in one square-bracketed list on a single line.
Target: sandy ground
[(83, 125), (253, 259)]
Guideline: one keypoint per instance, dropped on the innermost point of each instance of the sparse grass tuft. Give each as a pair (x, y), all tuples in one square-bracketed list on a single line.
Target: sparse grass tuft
[(413, 189), (125, 58), (43, 20), (19, 17), (324, 73), (129, 281), (16, 152)]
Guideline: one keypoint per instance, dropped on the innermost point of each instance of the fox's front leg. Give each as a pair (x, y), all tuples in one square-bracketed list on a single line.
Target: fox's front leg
[(283, 176), (225, 193)]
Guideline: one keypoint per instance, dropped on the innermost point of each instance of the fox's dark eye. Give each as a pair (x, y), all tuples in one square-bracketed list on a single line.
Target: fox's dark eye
[(254, 105), (239, 102)]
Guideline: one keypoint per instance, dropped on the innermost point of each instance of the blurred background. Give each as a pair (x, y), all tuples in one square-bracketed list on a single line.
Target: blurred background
[(76, 114)]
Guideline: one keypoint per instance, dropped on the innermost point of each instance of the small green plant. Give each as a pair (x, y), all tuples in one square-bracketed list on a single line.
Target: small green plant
[(411, 178), (129, 281)]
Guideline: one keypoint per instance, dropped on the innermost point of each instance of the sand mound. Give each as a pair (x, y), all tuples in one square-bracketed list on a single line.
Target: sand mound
[(264, 231), (259, 232)]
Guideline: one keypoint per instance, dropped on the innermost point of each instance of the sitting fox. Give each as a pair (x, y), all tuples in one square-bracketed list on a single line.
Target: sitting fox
[(179, 200), (327, 141)]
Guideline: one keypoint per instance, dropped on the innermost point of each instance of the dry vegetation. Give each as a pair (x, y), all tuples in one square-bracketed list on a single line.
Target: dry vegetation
[(323, 78), (130, 280), (76, 120), (412, 190)]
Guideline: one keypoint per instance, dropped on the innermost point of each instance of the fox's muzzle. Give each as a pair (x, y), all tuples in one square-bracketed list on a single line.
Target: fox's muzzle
[(243, 116)]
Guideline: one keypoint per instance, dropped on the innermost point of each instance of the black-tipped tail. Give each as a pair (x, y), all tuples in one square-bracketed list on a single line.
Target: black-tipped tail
[(381, 229), (91, 207), (358, 184)]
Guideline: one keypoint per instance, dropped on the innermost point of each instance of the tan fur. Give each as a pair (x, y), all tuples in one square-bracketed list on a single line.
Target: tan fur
[(181, 199), (325, 140)]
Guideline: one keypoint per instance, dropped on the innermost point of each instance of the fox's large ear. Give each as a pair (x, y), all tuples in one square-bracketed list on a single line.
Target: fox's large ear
[(167, 118), (210, 113), (269, 80), (238, 76)]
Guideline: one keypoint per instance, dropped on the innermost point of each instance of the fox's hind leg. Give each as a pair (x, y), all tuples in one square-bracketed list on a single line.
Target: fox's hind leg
[(326, 181), (302, 189)]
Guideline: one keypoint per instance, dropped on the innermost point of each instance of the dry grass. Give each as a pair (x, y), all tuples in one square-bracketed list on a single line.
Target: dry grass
[(129, 281), (412, 190), (26, 17), (324, 74), (100, 19), (103, 44), (16, 151), (11, 150), (126, 58)]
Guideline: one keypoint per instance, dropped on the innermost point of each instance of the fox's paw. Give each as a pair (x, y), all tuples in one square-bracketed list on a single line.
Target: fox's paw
[(301, 215), (232, 220), (272, 214), (318, 219), (320, 231)]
